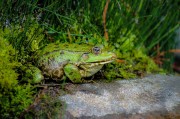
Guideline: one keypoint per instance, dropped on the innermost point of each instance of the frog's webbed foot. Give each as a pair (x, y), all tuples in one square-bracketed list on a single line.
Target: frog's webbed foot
[(87, 81), (90, 80)]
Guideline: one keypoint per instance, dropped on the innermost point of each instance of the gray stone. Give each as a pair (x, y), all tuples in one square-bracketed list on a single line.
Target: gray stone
[(153, 96)]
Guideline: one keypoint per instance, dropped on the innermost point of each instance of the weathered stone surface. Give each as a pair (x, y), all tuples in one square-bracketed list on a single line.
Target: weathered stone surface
[(155, 96)]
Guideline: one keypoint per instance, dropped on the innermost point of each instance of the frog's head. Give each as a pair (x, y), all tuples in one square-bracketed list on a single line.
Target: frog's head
[(97, 56), (91, 62)]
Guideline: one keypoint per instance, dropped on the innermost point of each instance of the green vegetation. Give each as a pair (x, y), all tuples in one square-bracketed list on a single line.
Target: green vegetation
[(134, 61), (46, 105), (135, 30), (14, 98)]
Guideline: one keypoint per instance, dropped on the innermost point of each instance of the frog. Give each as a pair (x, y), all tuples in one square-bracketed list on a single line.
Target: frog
[(59, 61)]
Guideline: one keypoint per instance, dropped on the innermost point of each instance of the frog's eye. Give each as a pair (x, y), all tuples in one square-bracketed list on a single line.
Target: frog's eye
[(96, 50), (85, 56)]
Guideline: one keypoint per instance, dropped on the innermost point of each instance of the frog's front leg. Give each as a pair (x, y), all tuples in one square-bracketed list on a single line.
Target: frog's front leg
[(72, 72), (90, 70)]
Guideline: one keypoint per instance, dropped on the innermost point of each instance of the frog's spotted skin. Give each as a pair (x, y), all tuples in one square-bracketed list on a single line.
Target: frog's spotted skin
[(72, 60)]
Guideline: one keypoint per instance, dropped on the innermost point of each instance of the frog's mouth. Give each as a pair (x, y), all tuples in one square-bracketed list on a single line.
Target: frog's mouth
[(101, 62), (95, 64)]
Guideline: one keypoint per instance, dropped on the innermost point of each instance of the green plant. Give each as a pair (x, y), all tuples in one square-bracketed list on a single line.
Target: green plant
[(14, 98), (46, 104), (7, 64), (131, 62)]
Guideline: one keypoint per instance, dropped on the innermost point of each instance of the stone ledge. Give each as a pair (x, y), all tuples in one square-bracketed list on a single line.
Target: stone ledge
[(155, 96)]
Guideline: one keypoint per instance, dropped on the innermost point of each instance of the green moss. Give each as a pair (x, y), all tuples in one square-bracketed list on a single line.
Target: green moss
[(25, 38), (135, 61), (31, 74), (14, 98), (47, 106), (15, 101), (8, 76), (34, 35)]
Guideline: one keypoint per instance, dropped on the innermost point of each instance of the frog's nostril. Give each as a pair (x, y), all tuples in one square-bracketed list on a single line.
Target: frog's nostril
[(114, 56)]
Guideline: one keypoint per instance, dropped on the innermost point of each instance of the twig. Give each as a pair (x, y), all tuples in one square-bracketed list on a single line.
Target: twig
[(104, 20)]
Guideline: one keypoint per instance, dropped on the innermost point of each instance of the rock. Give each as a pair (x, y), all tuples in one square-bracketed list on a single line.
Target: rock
[(155, 96)]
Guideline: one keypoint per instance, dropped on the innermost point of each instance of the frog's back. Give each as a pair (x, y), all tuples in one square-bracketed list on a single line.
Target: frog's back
[(53, 47), (60, 52)]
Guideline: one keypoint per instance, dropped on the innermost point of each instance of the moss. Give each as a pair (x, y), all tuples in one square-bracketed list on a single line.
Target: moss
[(8, 76), (47, 105), (31, 74), (15, 101), (134, 62), (34, 35), (25, 38), (14, 98)]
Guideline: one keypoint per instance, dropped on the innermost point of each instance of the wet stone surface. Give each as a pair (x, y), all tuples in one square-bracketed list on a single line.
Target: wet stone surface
[(155, 96)]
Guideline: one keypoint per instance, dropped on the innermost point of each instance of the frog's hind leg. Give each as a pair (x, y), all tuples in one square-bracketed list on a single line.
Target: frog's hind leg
[(56, 70), (57, 74), (72, 72)]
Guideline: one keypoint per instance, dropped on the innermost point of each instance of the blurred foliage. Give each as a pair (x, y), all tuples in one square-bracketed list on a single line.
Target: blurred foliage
[(153, 22)]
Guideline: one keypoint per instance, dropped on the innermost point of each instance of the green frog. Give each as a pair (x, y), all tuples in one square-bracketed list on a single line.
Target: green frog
[(74, 61)]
